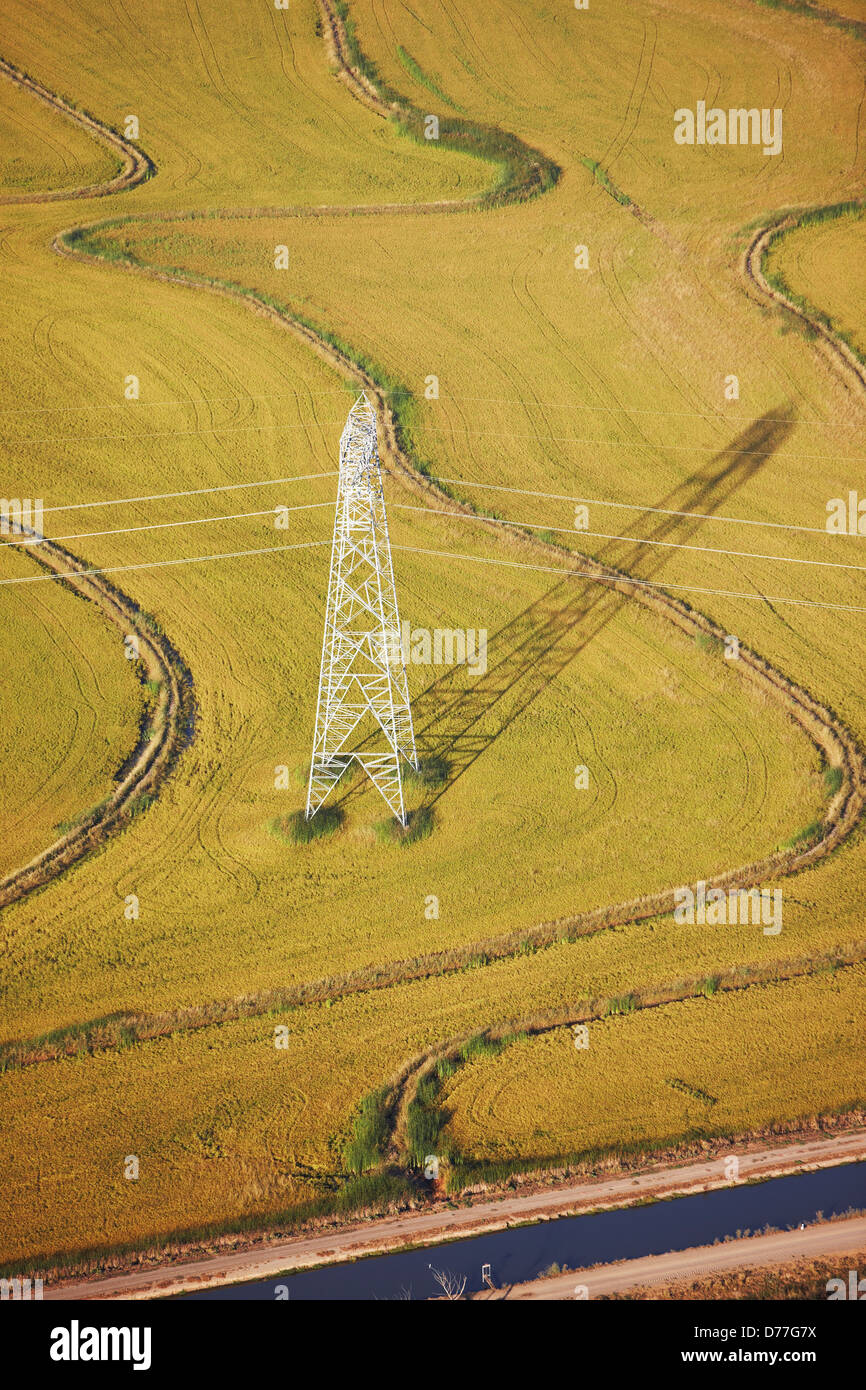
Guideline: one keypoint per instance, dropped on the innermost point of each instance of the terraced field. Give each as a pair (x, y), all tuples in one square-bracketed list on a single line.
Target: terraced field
[(143, 985)]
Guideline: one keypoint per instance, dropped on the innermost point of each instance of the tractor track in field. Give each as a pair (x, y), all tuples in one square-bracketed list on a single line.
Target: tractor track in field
[(836, 743)]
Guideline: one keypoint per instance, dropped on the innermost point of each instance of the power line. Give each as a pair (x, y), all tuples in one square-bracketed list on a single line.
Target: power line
[(635, 540), (431, 429), (719, 418), (631, 444), (462, 482), (139, 405), (636, 507), (638, 583), (161, 564), (163, 434), (165, 525), (442, 554), (191, 492), (29, 542)]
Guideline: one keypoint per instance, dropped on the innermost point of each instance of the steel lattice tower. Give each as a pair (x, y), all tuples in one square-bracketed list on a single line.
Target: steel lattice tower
[(362, 680)]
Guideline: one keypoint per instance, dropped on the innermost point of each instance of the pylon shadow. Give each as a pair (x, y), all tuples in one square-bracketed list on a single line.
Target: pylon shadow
[(457, 717)]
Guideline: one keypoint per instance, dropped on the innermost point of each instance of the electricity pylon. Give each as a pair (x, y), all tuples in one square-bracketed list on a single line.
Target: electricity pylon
[(362, 681)]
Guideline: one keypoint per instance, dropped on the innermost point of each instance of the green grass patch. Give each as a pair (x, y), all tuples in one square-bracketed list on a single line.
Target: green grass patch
[(832, 780), (418, 75), (426, 1119), (430, 772), (366, 1148), (709, 643), (625, 1005), (602, 177), (855, 28), (687, 1089), (296, 829), (64, 826), (419, 824), (808, 835)]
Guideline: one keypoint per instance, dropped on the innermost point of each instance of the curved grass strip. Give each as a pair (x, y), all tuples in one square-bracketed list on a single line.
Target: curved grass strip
[(135, 165), (772, 288), (815, 317), (167, 730), (524, 172)]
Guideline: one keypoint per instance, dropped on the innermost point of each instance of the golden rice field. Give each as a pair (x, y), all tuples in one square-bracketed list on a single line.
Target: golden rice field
[(662, 1073), (604, 387), (223, 1120)]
